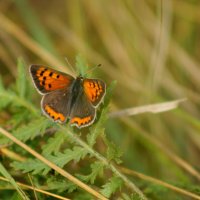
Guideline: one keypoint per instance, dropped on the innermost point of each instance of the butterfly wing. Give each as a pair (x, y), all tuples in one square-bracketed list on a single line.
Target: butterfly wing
[(56, 105), (95, 90), (47, 80), (82, 113)]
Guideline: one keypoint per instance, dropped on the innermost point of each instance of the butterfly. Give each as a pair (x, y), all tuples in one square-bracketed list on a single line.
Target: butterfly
[(66, 97)]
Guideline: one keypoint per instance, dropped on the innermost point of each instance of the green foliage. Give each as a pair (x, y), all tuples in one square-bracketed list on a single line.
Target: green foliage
[(60, 185), (15, 196), (113, 152), (21, 81), (31, 165), (30, 131), (97, 169), (23, 111), (60, 159), (156, 191), (33, 23), (5, 99), (98, 129), (65, 148), (54, 143), (7, 175), (110, 187), (129, 197), (81, 65), (83, 196)]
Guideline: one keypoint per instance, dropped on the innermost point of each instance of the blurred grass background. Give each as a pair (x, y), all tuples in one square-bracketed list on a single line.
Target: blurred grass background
[(152, 49)]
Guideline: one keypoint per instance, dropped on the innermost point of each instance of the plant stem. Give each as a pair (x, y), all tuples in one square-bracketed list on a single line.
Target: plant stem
[(129, 183)]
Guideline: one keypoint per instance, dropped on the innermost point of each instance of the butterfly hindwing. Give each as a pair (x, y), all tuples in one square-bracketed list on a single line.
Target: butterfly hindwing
[(95, 90), (47, 80), (82, 113), (56, 105)]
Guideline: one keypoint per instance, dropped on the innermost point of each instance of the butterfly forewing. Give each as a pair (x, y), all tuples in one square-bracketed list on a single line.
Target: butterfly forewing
[(47, 80), (95, 90)]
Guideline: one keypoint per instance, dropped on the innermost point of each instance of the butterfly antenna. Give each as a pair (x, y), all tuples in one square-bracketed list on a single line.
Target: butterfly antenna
[(90, 70), (73, 70)]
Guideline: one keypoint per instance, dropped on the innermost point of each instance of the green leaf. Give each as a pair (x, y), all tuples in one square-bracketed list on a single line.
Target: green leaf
[(54, 143), (29, 131), (6, 174), (4, 101), (109, 93), (111, 187), (81, 65), (60, 185), (60, 159), (11, 97), (134, 196), (113, 152), (33, 129), (21, 80), (97, 169), (15, 196), (31, 165), (98, 128), (19, 117)]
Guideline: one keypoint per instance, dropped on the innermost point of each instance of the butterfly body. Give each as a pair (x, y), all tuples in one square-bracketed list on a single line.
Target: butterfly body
[(67, 97)]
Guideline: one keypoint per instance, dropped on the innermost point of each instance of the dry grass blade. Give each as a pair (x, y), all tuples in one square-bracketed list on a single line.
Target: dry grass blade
[(162, 183), (8, 26), (11, 154), (53, 166), (176, 159), (36, 189), (7, 175), (152, 108)]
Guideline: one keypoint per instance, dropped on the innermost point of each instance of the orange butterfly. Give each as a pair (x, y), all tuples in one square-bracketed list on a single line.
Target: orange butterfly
[(67, 97)]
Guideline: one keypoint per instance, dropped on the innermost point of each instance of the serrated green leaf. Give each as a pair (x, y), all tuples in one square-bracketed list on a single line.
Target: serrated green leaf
[(6, 174), (31, 165), (111, 187), (113, 152), (54, 143), (33, 129), (97, 129), (29, 131), (60, 159), (97, 169), (11, 97), (61, 185), (21, 80)]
